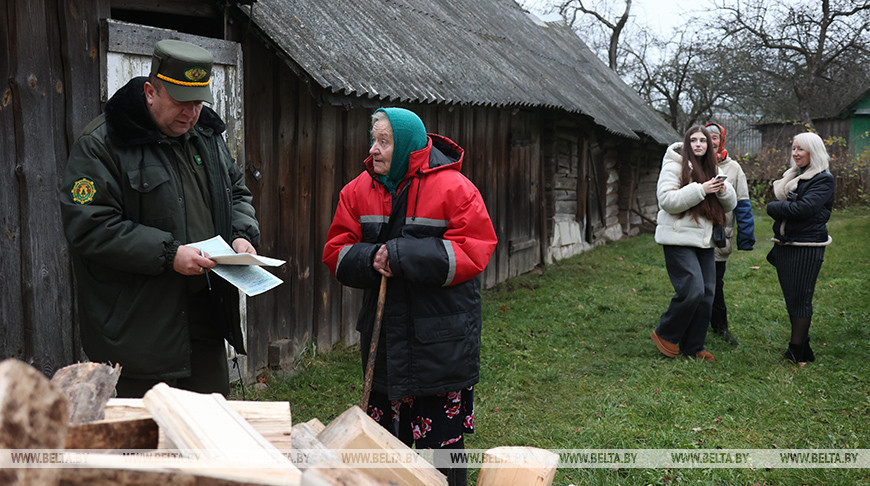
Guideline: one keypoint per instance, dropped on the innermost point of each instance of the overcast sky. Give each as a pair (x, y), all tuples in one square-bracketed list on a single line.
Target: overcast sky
[(661, 15)]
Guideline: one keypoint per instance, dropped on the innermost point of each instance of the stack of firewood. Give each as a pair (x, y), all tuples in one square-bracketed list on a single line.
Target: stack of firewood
[(174, 436)]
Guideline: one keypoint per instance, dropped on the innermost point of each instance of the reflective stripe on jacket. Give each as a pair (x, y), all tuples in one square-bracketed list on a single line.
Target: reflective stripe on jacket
[(441, 240)]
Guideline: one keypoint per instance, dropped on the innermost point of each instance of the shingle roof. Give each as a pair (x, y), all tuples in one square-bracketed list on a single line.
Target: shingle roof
[(478, 52)]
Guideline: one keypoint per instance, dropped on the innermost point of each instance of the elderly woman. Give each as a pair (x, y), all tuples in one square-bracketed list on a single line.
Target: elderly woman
[(804, 199), (745, 235), (692, 202), (413, 217)]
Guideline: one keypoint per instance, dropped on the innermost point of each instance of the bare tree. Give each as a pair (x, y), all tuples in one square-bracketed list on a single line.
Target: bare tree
[(572, 9), (811, 47), (681, 78), (752, 58)]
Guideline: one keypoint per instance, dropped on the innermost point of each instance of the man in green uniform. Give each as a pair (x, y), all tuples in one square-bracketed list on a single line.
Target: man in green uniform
[(144, 179)]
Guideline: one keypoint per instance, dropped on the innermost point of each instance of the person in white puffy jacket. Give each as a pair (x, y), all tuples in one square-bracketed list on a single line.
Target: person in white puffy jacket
[(692, 201)]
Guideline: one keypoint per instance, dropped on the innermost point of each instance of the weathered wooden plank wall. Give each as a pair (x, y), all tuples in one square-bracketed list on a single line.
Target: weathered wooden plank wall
[(300, 148), (12, 340), (260, 149), (524, 195), (49, 47), (328, 183)]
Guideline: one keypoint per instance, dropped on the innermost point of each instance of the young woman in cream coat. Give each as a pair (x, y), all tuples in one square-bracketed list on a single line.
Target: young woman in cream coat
[(692, 201)]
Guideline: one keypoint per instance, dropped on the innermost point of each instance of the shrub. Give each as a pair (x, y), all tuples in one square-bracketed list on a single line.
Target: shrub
[(850, 173)]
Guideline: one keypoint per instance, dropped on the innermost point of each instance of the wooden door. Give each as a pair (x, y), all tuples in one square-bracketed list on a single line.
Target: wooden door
[(524, 219), (596, 190)]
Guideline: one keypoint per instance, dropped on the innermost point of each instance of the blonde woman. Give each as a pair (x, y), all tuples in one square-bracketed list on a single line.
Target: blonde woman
[(804, 199)]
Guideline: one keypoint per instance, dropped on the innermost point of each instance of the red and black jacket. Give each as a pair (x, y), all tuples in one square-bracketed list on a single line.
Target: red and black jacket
[(439, 238)]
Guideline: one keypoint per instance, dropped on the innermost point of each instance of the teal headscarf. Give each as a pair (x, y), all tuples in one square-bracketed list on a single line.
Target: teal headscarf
[(409, 135)]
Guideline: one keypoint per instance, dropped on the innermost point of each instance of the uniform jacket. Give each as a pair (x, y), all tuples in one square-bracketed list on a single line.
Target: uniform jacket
[(741, 215), (674, 225), (124, 217), (440, 238), (801, 214)]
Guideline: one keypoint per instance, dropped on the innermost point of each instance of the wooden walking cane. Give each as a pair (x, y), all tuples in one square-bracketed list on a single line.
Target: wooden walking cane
[(373, 348)]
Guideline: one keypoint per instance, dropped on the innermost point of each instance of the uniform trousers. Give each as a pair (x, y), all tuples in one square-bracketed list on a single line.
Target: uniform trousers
[(208, 355)]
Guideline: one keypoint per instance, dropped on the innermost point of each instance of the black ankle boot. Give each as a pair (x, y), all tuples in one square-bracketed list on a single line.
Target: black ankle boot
[(808, 351), (795, 353)]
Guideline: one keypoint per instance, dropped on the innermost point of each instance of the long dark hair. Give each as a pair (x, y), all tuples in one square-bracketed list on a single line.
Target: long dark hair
[(700, 170)]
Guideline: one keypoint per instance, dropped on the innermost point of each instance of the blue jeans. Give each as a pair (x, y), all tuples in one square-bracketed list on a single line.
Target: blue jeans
[(693, 274)]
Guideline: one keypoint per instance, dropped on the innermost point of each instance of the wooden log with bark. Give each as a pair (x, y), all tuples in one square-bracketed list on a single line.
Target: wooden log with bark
[(87, 386), (141, 433), (33, 415)]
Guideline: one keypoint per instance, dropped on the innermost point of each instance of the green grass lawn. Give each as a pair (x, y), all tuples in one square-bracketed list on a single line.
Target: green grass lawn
[(567, 363)]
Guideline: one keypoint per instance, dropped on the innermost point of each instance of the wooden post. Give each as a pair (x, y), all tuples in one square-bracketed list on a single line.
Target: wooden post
[(518, 466), (33, 415)]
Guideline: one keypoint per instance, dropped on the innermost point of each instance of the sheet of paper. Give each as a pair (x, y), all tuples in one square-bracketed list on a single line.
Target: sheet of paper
[(215, 246), (246, 259), (250, 279)]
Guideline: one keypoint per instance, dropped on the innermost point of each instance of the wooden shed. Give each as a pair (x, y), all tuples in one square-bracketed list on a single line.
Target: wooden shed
[(565, 154), (850, 123)]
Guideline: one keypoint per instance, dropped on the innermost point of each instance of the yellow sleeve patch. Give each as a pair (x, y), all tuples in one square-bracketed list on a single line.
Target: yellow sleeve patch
[(83, 191)]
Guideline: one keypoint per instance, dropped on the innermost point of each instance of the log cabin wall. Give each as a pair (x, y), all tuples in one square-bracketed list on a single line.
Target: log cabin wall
[(597, 187), (612, 228), (581, 187), (638, 170), (565, 180)]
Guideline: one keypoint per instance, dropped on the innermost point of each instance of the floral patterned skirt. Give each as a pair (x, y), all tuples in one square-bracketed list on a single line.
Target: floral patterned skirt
[(429, 422)]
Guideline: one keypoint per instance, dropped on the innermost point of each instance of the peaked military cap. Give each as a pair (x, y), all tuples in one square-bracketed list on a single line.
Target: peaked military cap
[(185, 69)]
